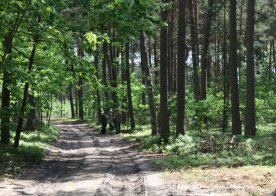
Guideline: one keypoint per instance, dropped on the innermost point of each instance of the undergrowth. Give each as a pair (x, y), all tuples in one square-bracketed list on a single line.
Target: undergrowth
[(210, 148), (31, 151)]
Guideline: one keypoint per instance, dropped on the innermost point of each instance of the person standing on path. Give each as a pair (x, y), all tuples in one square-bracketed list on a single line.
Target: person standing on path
[(117, 120), (104, 121)]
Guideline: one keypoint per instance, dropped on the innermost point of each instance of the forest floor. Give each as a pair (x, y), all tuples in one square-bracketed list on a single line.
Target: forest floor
[(84, 162)]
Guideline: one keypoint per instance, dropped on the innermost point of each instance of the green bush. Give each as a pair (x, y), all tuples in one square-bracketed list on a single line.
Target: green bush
[(182, 145)]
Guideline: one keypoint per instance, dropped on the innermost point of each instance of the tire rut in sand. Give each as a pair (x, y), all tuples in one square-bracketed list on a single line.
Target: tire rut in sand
[(123, 177), (84, 162), (62, 162)]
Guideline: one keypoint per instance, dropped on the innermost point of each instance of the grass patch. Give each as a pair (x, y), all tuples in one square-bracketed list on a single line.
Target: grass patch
[(210, 148), (31, 151), (140, 133)]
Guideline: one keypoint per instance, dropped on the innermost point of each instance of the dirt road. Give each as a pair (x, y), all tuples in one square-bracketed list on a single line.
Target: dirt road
[(84, 162)]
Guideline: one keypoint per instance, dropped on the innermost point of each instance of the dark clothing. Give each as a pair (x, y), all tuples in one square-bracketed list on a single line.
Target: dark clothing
[(111, 126), (117, 121), (104, 121), (117, 126)]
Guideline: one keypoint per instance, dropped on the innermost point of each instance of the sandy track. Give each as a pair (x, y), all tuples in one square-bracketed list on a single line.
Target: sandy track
[(83, 162)]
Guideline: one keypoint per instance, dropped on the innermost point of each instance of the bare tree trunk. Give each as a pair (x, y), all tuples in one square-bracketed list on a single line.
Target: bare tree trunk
[(96, 62), (80, 90), (143, 82), (170, 47), (25, 94), (71, 100), (76, 101), (250, 113), (194, 53), (156, 73), (104, 79), (274, 55), (164, 113), (80, 99), (240, 54), (195, 8), (147, 77), (180, 121), (171, 54), (270, 63), (205, 47), (50, 111), (123, 81), (61, 105), (149, 51), (129, 96), (5, 118), (236, 123), (225, 76), (113, 76)]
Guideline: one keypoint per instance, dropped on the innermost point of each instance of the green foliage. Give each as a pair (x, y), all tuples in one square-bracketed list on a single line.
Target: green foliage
[(92, 39), (141, 111), (205, 113), (182, 145), (211, 149)]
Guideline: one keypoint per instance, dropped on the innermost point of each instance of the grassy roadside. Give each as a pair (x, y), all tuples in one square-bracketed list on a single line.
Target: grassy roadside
[(210, 149), (208, 159), (31, 151)]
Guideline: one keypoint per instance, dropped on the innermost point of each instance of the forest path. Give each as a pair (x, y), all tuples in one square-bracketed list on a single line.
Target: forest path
[(84, 162)]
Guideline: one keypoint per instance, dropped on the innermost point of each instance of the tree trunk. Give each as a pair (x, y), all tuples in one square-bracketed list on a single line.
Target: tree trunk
[(170, 47), (123, 82), (150, 51), (156, 65), (225, 76), (270, 64), (80, 90), (104, 79), (172, 63), (205, 47), (147, 77), (143, 98), (181, 63), (25, 96), (240, 43), (61, 105), (113, 77), (195, 9), (274, 55), (71, 100), (96, 61), (80, 99), (194, 53), (5, 118), (129, 96), (76, 101), (50, 111), (236, 124), (250, 116), (164, 113), (7, 76)]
